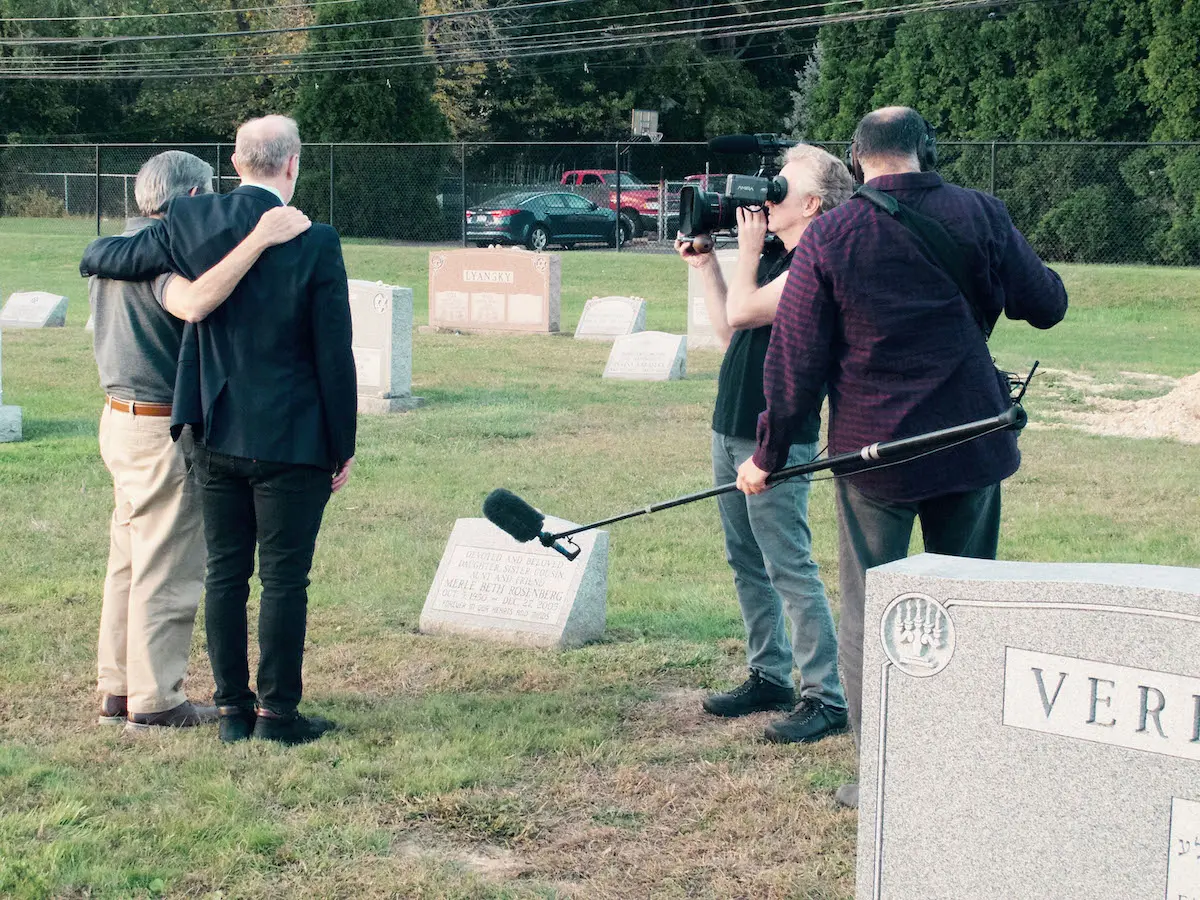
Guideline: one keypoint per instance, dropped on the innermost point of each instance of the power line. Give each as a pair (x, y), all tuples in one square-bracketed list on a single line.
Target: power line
[(151, 56), (167, 15), (570, 43), (295, 29), (78, 64)]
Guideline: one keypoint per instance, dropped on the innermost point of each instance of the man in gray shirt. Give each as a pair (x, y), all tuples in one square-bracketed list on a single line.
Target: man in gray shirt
[(157, 554)]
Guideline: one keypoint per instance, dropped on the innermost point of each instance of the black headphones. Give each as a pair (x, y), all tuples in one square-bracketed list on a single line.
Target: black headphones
[(926, 152)]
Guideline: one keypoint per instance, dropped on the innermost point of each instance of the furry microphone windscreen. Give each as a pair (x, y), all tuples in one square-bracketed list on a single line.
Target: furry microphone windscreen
[(512, 515)]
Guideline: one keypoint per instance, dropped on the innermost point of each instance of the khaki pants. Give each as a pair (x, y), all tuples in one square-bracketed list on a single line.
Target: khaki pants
[(155, 563)]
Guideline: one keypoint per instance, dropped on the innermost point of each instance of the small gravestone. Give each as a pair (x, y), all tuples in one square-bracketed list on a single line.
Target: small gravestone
[(648, 356), (700, 334), (34, 309), (607, 318), (10, 416), (1031, 730), (382, 319), (489, 585), (502, 290)]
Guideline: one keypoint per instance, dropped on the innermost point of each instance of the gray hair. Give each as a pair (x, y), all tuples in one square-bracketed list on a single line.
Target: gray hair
[(167, 176), (265, 145), (829, 178)]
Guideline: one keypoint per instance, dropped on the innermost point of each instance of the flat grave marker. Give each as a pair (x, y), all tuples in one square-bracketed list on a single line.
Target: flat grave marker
[(489, 585), (607, 318), (34, 309), (648, 356)]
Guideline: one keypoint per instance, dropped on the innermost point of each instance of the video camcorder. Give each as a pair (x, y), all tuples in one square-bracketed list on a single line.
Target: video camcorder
[(703, 212)]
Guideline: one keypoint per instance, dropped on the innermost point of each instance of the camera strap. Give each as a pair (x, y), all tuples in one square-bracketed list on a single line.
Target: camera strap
[(939, 244)]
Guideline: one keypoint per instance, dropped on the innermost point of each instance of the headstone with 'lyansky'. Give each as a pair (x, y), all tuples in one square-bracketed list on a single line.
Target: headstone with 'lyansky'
[(1030, 730)]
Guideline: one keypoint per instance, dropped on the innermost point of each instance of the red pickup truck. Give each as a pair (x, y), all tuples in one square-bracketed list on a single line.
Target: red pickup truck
[(639, 201)]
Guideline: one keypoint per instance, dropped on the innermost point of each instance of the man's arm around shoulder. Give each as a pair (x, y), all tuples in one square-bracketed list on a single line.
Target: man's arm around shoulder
[(192, 301), (138, 257), (332, 335)]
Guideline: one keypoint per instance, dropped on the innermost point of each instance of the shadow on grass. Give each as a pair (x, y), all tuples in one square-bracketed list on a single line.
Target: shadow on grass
[(50, 429)]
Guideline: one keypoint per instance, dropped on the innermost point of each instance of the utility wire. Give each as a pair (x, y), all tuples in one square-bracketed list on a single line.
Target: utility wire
[(75, 63), (168, 15), (295, 29), (174, 54), (567, 43)]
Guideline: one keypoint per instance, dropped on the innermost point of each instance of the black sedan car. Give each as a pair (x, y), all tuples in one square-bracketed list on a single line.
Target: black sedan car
[(538, 219)]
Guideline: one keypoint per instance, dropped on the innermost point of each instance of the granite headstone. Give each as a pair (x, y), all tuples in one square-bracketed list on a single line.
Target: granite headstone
[(1030, 730), (648, 356), (10, 416), (503, 290), (700, 334), (607, 318), (34, 309), (382, 317), (490, 585)]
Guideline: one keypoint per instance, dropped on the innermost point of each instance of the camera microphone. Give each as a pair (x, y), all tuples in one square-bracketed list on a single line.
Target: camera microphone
[(761, 144), (522, 522), (512, 515)]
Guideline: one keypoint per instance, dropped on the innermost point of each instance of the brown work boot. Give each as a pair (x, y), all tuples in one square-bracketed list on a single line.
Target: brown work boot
[(113, 709), (185, 715)]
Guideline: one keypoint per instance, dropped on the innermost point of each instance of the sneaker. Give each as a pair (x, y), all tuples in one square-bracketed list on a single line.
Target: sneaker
[(114, 709), (185, 715), (291, 729), (811, 721), (847, 795), (756, 694), (235, 723)]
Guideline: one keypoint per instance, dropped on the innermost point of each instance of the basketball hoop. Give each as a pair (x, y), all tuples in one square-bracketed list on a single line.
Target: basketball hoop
[(644, 123)]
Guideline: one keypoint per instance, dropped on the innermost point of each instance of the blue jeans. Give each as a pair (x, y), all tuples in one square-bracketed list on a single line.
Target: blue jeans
[(769, 546)]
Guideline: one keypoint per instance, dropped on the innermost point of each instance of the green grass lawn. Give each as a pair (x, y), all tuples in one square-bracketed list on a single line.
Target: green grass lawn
[(469, 770)]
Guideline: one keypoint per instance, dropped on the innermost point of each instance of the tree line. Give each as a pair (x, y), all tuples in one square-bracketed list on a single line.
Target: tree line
[(1038, 70)]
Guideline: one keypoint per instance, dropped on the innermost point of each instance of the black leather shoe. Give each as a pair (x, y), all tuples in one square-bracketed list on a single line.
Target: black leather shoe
[(756, 694), (185, 715), (235, 723), (811, 721), (114, 709), (291, 729)]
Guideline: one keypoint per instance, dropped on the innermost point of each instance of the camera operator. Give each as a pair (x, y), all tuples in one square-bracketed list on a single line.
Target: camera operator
[(870, 312), (767, 539)]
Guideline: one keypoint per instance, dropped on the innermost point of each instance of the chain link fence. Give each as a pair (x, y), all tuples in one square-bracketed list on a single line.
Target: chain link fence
[(1076, 202)]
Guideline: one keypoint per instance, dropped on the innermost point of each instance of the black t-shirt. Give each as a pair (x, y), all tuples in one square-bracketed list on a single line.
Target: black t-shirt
[(740, 396)]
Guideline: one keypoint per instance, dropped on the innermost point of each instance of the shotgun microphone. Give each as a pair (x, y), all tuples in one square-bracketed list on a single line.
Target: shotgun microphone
[(760, 144), (522, 522)]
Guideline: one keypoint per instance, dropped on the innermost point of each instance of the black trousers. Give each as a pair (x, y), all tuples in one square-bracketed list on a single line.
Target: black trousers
[(873, 532), (277, 506)]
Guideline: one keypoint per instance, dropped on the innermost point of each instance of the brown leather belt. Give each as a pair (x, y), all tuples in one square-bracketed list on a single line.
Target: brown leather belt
[(137, 408)]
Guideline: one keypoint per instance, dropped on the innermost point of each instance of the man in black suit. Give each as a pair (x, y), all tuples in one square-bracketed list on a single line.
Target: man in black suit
[(268, 383)]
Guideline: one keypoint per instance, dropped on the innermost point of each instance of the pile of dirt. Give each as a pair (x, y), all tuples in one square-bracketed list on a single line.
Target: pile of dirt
[(1176, 414)]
